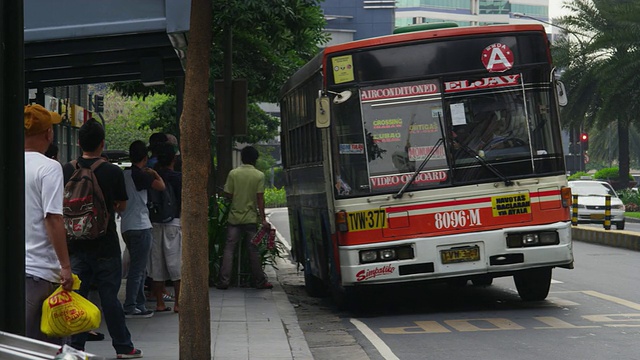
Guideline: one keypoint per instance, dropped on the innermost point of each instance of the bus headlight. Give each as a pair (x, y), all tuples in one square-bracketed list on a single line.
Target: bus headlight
[(387, 254), (402, 252), (368, 256), (532, 239)]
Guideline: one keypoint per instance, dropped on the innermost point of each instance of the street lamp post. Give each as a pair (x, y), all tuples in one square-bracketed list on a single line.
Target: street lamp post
[(518, 15)]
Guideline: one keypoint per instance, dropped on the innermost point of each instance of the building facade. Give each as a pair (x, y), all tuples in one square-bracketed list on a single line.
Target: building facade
[(472, 12), (359, 19)]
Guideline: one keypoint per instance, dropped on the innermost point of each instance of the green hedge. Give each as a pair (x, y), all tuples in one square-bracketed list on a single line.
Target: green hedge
[(611, 173), (274, 197)]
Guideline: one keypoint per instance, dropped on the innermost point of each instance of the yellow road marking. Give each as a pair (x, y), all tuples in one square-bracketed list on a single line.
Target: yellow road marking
[(561, 302), (424, 327), (555, 323), (498, 324), (613, 318), (617, 300)]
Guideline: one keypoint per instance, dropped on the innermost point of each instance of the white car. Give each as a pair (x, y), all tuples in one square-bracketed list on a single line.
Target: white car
[(591, 201)]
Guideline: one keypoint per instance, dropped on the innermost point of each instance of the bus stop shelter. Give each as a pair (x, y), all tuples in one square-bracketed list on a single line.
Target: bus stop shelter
[(70, 42)]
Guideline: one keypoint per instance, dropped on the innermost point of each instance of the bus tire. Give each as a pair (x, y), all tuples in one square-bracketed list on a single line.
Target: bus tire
[(533, 284), (314, 286), (345, 298)]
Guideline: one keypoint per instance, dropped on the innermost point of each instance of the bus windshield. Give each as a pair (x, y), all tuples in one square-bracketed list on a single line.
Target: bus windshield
[(385, 133)]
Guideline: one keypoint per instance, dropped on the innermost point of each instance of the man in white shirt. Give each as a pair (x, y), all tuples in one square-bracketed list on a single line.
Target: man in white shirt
[(47, 263)]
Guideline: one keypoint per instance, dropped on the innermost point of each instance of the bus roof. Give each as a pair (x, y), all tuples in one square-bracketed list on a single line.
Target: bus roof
[(319, 60), (431, 34)]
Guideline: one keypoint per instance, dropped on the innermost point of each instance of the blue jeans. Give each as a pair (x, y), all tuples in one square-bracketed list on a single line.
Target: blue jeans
[(106, 274), (139, 246)]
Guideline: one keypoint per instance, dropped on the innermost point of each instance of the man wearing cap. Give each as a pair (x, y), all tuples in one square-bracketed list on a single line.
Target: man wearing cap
[(47, 263)]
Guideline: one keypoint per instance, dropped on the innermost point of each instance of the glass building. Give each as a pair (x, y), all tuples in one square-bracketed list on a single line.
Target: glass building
[(471, 12)]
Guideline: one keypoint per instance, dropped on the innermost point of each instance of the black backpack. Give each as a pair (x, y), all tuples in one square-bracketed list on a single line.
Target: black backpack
[(84, 209), (162, 204)]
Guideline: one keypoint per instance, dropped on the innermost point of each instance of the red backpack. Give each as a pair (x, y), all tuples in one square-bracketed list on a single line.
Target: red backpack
[(84, 209)]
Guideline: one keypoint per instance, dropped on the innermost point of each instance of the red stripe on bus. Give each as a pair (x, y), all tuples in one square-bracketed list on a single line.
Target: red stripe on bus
[(394, 209)]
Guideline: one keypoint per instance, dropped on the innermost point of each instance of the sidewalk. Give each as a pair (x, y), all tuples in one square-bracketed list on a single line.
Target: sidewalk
[(245, 324)]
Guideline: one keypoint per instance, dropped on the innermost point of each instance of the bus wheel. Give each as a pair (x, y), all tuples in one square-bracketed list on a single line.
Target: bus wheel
[(314, 286), (482, 281), (533, 285), (345, 298)]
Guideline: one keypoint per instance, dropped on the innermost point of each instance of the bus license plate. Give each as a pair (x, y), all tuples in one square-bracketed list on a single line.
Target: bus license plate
[(471, 253), (367, 220)]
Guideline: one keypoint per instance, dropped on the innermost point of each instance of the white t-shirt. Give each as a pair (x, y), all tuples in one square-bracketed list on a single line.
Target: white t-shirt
[(44, 186)]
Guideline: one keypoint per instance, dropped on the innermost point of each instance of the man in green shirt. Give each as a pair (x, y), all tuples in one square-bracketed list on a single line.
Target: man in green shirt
[(245, 188)]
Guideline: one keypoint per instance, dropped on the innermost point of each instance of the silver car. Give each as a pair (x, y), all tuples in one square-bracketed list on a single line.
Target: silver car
[(591, 199)]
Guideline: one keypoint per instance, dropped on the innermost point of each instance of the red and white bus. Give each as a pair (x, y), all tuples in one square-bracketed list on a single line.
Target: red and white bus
[(428, 155)]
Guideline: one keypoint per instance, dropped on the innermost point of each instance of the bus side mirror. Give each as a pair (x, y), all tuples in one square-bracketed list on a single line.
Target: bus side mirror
[(322, 112), (562, 93)]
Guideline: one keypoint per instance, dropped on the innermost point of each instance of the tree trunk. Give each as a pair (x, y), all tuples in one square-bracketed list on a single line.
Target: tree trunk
[(623, 153), (194, 323)]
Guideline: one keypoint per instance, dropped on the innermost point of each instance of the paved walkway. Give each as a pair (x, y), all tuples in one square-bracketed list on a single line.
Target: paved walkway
[(245, 324)]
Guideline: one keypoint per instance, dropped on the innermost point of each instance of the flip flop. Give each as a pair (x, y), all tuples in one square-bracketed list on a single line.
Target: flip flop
[(166, 309)]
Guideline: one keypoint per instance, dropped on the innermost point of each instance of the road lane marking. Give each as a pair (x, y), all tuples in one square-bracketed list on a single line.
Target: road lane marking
[(617, 300), (554, 281), (613, 318), (561, 302), (423, 327), (382, 348), (464, 325), (555, 323)]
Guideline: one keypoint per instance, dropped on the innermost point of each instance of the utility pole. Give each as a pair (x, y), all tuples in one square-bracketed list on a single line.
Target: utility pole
[(12, 100), (224, 133)]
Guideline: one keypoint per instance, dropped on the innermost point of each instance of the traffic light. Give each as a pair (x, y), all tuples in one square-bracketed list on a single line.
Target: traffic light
[(99, 102), (584, 140)]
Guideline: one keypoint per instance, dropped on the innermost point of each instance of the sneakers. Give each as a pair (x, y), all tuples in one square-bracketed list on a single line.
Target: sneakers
[(266, 285), (134, 354), (138, 314)]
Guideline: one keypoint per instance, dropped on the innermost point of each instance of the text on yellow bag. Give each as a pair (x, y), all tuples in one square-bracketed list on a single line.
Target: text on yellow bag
[(66, 313)]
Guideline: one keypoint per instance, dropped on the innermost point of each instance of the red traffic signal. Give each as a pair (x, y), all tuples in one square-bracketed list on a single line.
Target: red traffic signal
[(584, 137), (584, 140)]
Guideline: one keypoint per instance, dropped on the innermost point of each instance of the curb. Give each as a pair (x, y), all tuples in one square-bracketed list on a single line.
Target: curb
[(632, 220), (297, 342)]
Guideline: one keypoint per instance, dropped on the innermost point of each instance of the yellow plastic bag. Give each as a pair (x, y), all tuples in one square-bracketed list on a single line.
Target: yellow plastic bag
[(66, 313)]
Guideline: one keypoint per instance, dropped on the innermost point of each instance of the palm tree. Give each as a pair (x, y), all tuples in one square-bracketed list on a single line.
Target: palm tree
[(602, 67)]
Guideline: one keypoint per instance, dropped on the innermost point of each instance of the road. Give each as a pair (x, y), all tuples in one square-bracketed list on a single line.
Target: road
[(633, 225), (592, 312)]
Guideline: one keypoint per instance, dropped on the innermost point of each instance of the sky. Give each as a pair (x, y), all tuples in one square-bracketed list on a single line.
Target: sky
[(555, 8)]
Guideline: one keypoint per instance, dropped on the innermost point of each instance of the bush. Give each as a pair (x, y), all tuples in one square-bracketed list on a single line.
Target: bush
[(578, 175), (611, 173), (631, 199), (274, 197)]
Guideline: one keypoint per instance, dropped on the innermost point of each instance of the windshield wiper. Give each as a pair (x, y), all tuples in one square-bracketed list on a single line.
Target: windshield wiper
[(484, 163), (419, 169)]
